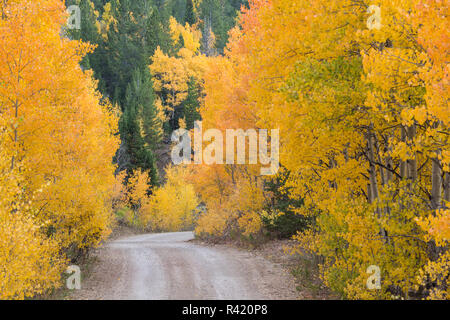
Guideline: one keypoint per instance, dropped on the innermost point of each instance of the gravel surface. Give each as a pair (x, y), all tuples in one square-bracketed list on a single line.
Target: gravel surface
[(170, 266)]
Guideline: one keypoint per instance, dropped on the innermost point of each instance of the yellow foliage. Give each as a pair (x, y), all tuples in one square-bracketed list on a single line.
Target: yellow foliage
[(437, 272), (171, 74), (169, 208), (364, 121), (106, 21), (191, 36), (138, 187), (57, 141), (250, 223), (212, 223), (30, 262), (119, 192), (234, 200)]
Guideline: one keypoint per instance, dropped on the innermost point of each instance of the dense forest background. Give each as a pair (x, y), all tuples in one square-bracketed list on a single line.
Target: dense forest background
[(126, 34)]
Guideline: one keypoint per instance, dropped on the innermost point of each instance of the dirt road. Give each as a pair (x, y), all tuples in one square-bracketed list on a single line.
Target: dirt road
[(169, 266)]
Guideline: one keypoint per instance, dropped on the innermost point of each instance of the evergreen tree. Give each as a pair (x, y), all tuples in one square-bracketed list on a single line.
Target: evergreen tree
[(140, 95), (287, 223), (139, 127), (135, 28), (135, 37), (191, 104), (134, 145), (189, 16), (88, 30), (221, 15)]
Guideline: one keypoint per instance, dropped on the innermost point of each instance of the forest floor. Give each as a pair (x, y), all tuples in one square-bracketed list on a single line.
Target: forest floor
[(175, 266)]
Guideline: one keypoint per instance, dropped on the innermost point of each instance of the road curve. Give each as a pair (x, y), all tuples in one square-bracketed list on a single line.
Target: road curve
[(168, 266)]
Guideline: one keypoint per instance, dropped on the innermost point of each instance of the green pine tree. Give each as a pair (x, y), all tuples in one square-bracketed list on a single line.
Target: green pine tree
[(189, 16), (139, 127), (140, 95), (192, 104)]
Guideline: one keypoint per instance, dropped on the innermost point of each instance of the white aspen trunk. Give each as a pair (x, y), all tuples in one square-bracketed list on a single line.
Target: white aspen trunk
[(436, 180), (412, 167), (389, 164), (373, 178), (369, 193), (373, 171), (447, 187), (382, 170), (403, 163)]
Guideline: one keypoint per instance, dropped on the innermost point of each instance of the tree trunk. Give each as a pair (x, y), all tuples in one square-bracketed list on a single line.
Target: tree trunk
[(447, 187), (403, 163), (436, 180), (373, 171), (382, 170), (373, 178), (412, 164)]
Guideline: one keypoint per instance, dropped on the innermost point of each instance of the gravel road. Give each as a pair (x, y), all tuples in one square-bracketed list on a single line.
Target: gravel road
[(169, 266)]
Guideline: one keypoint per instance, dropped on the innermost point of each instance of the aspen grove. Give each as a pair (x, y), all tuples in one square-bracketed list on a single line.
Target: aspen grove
[(364, 136), (57, 141), (356, 91)]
